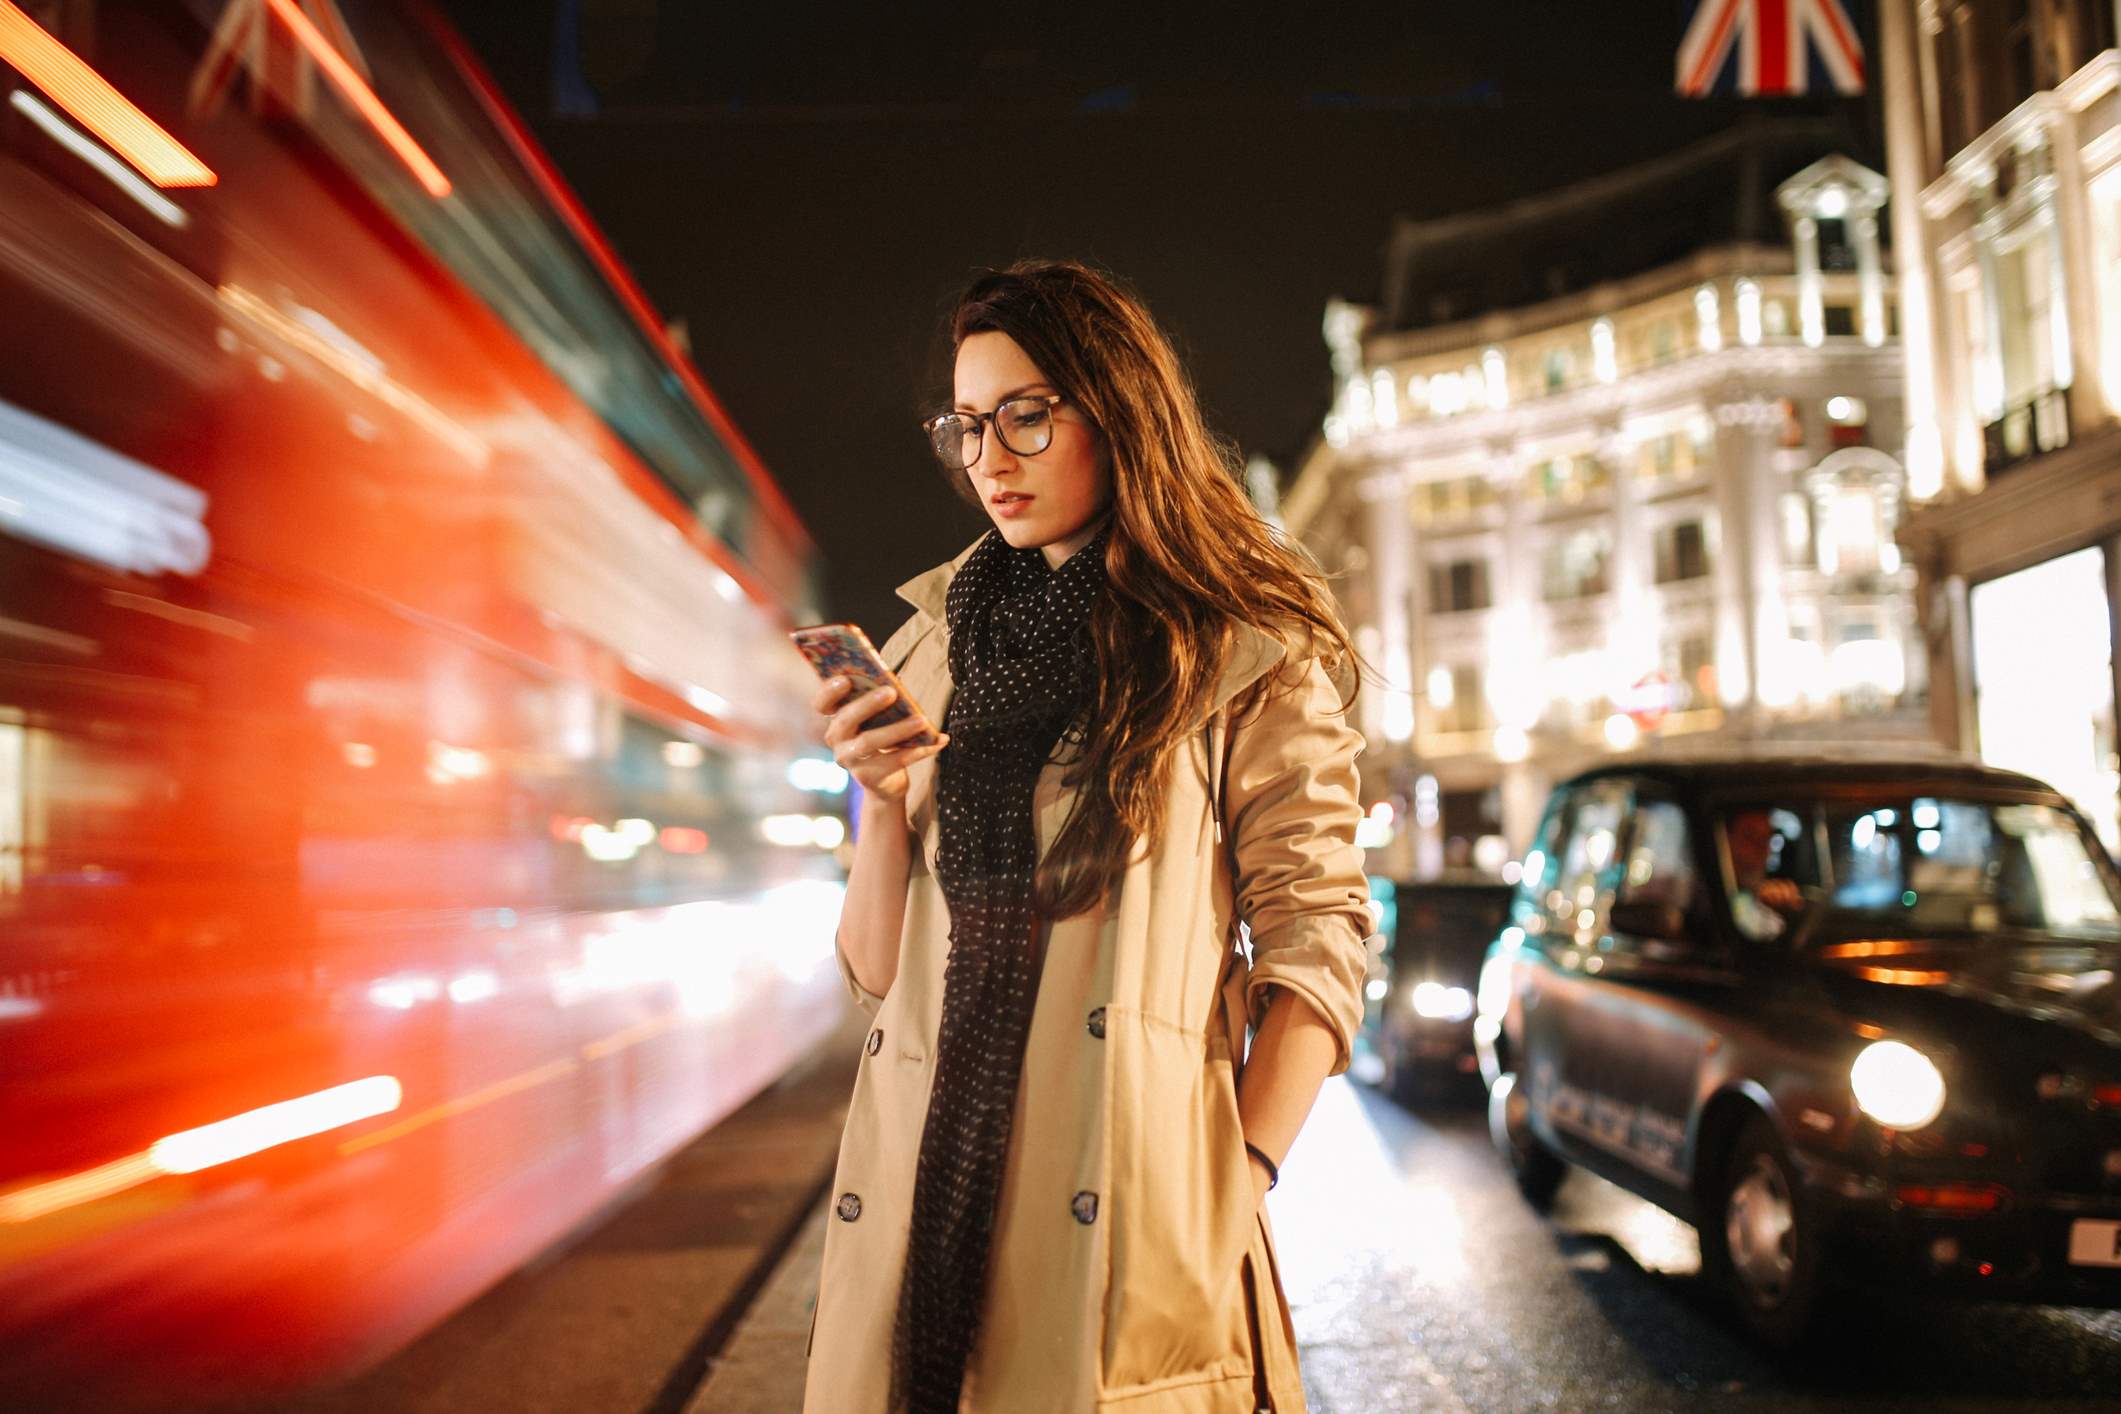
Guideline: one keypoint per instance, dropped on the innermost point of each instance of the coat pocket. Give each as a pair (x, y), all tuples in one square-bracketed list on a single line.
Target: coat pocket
[(1181, 1209)]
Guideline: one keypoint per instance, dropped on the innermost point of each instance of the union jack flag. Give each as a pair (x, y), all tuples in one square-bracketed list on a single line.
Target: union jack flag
[(1766, 48)]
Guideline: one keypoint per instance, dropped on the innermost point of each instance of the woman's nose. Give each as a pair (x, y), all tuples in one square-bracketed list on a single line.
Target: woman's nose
[(994, 459)]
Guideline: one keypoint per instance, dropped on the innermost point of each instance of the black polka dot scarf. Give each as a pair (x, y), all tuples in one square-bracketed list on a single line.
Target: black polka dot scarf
[(1024, 672)]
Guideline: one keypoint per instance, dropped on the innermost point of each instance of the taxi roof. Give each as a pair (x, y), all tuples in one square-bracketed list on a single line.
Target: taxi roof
[(1814, 772)]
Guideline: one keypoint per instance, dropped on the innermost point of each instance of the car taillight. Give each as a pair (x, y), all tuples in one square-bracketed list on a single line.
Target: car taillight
[(2109, 1094), (1953, 1197)]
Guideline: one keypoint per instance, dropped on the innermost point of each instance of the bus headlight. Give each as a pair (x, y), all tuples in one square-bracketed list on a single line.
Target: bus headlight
[(1897, 1085), (1440, 1003)]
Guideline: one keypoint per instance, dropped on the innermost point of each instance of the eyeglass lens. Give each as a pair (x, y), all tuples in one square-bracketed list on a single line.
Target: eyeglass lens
[(1025, 426)]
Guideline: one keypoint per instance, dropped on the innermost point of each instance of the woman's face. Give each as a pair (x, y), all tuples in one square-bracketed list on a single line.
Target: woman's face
[(1052, 500)]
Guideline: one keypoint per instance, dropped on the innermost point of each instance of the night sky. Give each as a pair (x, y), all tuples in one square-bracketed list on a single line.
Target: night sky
[(806, 187)]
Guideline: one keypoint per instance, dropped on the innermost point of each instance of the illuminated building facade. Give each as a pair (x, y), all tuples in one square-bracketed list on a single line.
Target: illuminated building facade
[(2003, 126), (1613, 467)]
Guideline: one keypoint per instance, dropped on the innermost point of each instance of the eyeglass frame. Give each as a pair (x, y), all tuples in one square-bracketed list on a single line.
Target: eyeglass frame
[(982, 420)]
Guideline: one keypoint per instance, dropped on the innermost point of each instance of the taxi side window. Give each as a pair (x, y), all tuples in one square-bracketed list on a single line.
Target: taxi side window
[(1587, 868), (1542, 864), (1661, 859)]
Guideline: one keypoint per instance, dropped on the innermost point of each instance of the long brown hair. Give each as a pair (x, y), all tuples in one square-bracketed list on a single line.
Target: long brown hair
[(1187, 560)]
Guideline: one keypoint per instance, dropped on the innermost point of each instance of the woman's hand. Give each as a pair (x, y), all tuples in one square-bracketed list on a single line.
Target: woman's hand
[(877, 759)]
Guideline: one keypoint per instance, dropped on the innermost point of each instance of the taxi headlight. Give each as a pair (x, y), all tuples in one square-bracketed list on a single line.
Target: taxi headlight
[(1897, 1085), (1440, 1003)]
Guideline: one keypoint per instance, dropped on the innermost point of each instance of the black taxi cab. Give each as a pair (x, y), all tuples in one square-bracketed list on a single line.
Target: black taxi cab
[(1852, 1019)]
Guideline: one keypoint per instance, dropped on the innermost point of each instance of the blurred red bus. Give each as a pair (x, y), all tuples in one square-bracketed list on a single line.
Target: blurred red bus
[(399, 847)]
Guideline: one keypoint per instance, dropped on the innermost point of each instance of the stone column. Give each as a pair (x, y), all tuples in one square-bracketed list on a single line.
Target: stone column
[(1632, 639), (1750, 624), (1393, 555)]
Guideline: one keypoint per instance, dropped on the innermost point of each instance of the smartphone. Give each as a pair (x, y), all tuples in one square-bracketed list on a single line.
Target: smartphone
[(844, 651)]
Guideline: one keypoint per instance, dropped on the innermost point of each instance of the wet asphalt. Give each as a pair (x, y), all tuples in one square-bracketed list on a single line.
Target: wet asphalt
[(1420, 1280)]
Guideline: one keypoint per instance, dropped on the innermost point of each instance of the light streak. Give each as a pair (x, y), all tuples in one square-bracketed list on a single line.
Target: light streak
[(224, 1141), (361, 96), (253, 1131), (360, 372), (119, 175), (90, 100)]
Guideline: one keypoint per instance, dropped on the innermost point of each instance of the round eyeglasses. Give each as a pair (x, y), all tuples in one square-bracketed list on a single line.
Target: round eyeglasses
[(1024, 425)]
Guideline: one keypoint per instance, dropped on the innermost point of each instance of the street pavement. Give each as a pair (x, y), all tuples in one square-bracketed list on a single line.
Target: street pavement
[(1419, 1280)]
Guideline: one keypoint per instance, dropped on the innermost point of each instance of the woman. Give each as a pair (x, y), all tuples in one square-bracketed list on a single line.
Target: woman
[(1058, 1206)]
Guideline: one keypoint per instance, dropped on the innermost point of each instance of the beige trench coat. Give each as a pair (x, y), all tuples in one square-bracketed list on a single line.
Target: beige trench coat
[(1130, 1269)]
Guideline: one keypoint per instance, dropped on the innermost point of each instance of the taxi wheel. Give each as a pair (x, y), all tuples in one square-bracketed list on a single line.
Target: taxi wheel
[(1537, 1171), (1761, 1241)]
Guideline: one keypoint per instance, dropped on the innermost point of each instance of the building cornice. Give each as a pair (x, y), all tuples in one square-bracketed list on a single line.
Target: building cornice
[(1611, 297), (1973, 167), (2057, 503), (1699, 375)]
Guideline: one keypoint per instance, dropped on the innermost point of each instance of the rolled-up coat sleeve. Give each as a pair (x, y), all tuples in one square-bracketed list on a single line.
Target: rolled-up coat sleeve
[(1292, 805), (864, 998)]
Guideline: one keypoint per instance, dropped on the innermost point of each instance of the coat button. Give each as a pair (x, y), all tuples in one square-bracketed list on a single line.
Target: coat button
[(876, 1040), (1084, 1206), (1097, 1023), (850, 1207)]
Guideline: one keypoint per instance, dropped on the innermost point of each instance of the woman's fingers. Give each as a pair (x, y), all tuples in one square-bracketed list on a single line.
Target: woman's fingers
[(887, 738), (847, 719), (828, 695)]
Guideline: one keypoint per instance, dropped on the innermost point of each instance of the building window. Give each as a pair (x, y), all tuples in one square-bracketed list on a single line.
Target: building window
[(1775, 318), (1458, 587), (1664, 341), (1836, 251), (1849, 540), (1672, 456), (1840, 320), (1575, 566), (1568, 479), (1682, 552), (1452, 500), (2025, 291), (1557, 369), (1455, 700)]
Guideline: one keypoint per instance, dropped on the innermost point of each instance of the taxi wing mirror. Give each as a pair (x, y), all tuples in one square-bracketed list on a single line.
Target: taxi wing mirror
[(1644, 919)]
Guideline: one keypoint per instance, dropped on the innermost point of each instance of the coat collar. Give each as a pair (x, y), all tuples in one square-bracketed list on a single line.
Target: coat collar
[(1253, 654)]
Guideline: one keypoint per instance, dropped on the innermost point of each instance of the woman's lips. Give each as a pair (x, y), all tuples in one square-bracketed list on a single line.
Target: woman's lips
[(1010, 504)]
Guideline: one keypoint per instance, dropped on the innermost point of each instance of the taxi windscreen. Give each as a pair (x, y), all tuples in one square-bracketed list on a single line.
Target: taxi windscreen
[(1920, 864)]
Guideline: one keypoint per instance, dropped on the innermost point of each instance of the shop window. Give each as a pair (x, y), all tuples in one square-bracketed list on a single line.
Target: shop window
[(2043, 680), (1682, 552), (1458, 587)]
